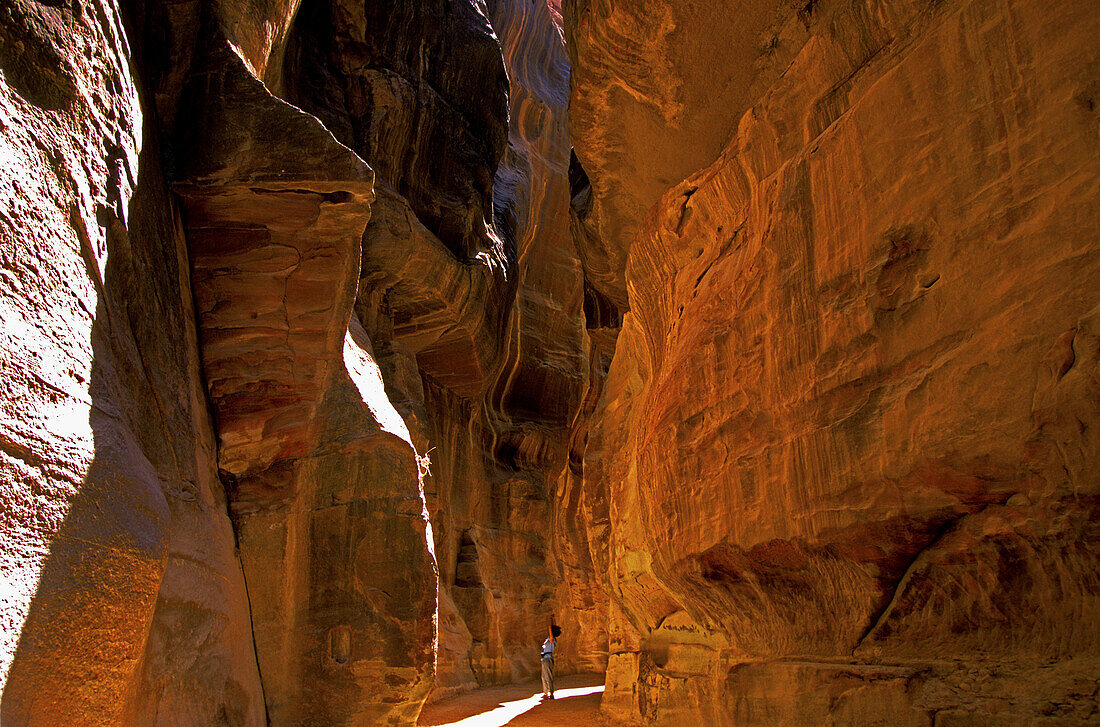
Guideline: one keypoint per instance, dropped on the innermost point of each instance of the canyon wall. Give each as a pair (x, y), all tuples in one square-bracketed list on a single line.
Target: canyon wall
[(292, 309), (123, 600), (470, 289), (842, 466), (338, 357)]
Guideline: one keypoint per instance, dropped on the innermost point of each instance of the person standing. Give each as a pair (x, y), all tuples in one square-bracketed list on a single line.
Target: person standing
[(548, 648)]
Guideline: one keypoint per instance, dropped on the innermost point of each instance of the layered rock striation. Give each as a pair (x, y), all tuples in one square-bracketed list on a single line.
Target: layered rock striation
[(123, 599), (470, 288), (297, 286), (339, 356), (842, 455), (320, 470)]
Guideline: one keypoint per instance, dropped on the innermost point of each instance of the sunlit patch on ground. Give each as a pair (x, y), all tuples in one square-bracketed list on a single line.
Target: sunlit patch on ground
[(576, 703)]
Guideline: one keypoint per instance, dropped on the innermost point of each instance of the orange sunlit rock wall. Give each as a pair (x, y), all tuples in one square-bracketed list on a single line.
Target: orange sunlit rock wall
[(346, 341), (843, 463), (121, 597)]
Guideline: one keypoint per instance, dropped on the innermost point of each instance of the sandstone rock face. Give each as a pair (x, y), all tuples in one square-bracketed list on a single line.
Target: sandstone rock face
[(321, 473), (419, 90), (470, 289), (213, 512), (337, 358), (842, 459), (128, 602), (659, 87), (123, 601)]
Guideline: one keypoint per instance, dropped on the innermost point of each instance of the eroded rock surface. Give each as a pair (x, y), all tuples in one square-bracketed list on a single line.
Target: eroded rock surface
[(337, 358), (321, 473), (123, 601), (471, 290), (458, 298), (129, 603), (844, 446)]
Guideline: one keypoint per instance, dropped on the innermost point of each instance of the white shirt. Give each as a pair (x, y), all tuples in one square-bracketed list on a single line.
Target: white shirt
[(548, 647)]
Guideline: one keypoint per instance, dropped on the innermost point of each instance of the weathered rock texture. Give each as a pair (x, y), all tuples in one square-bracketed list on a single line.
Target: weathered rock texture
[(321, 474), (123, 601), (212, 512), (470, 288), (842, 468), (330, 372)]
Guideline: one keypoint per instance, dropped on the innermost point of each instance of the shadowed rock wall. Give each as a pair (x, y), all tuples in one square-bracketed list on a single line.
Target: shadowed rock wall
[(843, 456), (213, 512), (470, 288), (129, 602), (322, 476)]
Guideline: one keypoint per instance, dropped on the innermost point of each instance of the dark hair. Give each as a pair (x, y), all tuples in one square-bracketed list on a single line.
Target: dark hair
[(555, 630)]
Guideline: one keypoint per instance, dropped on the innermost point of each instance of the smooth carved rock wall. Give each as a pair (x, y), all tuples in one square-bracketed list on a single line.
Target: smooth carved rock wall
[(123, 601), (133, 598), (658, 89), (470, 287), (545, 382), (495, 487), (495, 510), (127, 601), (322, 476), (419, 90), (845, 444)]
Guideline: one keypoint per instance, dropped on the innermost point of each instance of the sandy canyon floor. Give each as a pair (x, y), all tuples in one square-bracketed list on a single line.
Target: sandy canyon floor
[(576, 703)]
